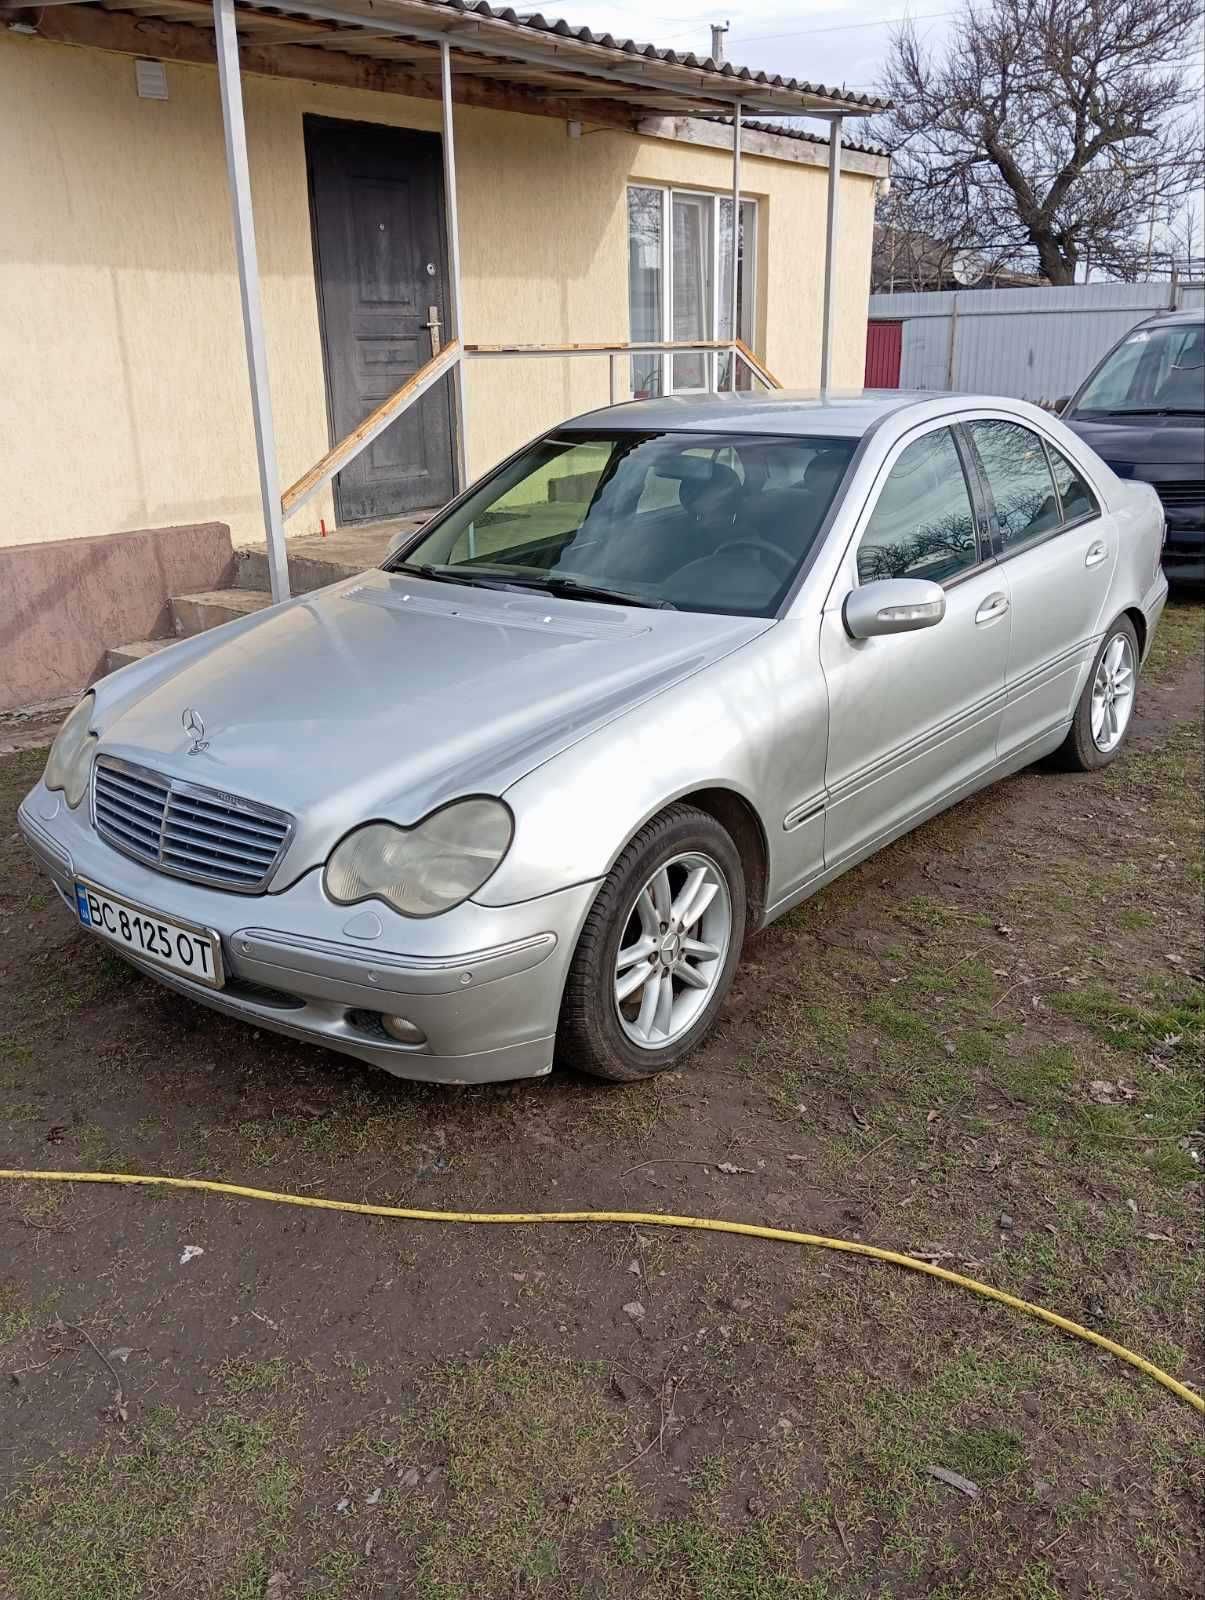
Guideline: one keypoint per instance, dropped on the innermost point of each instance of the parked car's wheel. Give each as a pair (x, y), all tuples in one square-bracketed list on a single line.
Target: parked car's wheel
[(658, 950), (1103, 714)]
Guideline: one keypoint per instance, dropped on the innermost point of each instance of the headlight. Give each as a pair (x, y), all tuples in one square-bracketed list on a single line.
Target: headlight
[(70, 759), (424, 870)]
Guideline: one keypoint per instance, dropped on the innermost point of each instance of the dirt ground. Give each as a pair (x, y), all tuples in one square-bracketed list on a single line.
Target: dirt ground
[(984, 1046)]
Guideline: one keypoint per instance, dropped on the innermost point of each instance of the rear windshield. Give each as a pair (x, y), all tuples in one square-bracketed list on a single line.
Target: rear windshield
[(699, 522), (1154, 370)]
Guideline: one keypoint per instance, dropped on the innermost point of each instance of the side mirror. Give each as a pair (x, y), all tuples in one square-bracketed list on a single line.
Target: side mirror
[(1059, 405), (893, 605)]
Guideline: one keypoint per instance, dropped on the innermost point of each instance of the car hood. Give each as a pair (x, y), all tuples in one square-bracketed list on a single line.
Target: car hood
[(386, 696), (1130, 441)]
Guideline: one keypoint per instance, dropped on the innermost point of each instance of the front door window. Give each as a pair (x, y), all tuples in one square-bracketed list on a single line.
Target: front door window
[(923, 523)]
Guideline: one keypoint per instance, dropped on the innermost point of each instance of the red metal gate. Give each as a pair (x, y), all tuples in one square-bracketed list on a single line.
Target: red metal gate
[(884, 341)]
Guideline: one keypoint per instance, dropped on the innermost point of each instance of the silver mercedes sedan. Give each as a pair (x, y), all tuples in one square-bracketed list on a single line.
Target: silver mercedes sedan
[(519, 796)]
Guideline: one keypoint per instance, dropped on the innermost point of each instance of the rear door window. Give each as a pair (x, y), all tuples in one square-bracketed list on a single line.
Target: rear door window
[(1014, 463), (1076, 498)]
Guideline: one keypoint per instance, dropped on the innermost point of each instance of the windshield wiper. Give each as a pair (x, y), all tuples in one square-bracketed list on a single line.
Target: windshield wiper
[(571, 589), (428, 569), (1150, 411)]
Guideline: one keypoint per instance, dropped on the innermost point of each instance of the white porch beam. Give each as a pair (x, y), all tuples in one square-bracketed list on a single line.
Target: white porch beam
[(452, 216), (239, 178), (830, 252)]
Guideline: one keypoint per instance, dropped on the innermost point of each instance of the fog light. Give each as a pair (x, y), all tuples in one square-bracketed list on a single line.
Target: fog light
[(404, 1031)]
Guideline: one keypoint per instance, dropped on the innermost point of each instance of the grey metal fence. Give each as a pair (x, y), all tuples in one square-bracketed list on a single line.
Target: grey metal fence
[(1037, 344)]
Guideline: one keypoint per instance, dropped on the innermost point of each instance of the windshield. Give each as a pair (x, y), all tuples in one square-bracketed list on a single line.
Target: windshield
[(1154, 370), (697, 522)]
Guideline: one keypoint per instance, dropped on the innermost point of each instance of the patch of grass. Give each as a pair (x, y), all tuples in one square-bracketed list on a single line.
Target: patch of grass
[(1040, 1077), (1171, 1010), (241, 1375), (1178, 636), (693, 1559), (529, 1441), (15, 1111), (1132, 919), (899, 1022), (128, 1521), (985, 1455), (16, 1313)]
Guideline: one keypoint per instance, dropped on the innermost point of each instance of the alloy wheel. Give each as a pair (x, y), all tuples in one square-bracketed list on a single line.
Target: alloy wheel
[(672, 950), (1113, 694)]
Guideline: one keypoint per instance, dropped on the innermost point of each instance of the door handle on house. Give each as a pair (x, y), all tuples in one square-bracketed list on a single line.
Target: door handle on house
[(994, 606), (433, 325), (1096, 553)]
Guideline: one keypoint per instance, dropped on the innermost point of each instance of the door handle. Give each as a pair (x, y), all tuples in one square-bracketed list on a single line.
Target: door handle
[(994, 606), (1096, 553), (433, 325)]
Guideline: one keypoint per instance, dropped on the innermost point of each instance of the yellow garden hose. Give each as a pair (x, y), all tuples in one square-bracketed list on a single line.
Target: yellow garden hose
[(642, 1219)]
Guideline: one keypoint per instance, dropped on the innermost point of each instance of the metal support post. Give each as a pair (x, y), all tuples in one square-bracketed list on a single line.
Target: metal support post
[(613, 378), (239, 177), (736, 236), (451, 212), (830, 252)]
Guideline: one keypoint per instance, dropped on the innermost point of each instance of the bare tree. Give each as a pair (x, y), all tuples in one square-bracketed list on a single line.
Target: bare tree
[(1048, 129)]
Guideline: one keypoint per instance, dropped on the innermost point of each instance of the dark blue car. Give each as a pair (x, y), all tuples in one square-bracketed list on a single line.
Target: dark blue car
[(1143, 410)]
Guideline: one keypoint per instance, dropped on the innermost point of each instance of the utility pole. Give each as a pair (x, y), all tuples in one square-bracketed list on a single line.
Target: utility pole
[(1150, 233), (718, 30)]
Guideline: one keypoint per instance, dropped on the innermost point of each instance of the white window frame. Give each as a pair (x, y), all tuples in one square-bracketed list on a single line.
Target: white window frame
[(749, 277)]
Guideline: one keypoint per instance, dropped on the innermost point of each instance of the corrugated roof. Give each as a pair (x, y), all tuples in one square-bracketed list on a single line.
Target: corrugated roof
[(807, 135), (650, 52), (526, 53)]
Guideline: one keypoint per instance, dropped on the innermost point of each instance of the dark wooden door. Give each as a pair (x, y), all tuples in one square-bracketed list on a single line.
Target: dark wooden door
[(376, 197)]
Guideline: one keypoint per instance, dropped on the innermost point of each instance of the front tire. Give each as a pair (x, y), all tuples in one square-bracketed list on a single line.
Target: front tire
[(1102, 717), (658, 950)]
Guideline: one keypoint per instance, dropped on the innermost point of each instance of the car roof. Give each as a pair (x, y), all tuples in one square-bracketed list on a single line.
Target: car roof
[(1170, 319), (842, 414)]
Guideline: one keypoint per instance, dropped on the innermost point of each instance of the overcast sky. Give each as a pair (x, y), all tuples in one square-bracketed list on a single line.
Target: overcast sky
[(830, 44), (837, 45)]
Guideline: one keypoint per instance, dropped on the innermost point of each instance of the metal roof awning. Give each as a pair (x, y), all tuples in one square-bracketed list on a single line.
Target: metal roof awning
[(544, 57), (448, 50)]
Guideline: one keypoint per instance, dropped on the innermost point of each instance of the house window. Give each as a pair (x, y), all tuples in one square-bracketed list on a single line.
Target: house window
[(680, 280)]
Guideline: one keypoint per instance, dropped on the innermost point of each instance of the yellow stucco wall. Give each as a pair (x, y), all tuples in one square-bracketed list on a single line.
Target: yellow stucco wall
[(124, 399)]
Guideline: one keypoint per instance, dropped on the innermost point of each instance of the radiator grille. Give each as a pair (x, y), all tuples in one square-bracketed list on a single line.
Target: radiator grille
[(186, 829), (1185, 492)]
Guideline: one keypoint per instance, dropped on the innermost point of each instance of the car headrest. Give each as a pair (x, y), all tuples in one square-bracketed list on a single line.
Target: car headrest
[(719, 482), (822, 472)]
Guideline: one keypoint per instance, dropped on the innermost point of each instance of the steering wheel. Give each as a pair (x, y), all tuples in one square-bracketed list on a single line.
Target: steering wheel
[(762, 547)]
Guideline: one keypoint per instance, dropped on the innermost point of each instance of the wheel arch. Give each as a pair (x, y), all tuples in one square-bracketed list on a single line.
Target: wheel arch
[(739, 818), (1135, 615)]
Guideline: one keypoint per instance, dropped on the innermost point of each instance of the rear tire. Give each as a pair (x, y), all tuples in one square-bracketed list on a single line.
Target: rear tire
[(1102, 716), (651, 968)]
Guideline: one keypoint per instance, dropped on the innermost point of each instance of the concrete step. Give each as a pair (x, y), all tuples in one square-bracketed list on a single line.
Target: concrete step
[(120, 655), (318, 559), (194, 613)]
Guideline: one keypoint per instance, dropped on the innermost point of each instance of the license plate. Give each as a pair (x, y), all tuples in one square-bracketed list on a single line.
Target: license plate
[(194, 952)]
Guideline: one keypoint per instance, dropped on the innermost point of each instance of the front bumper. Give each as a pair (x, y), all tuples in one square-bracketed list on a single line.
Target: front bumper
[(1184, 546), (483, 983)]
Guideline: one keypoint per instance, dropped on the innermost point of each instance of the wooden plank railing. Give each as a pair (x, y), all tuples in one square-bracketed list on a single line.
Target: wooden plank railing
[(341, 454), (755, 366), (617, 348), (338, 456)]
